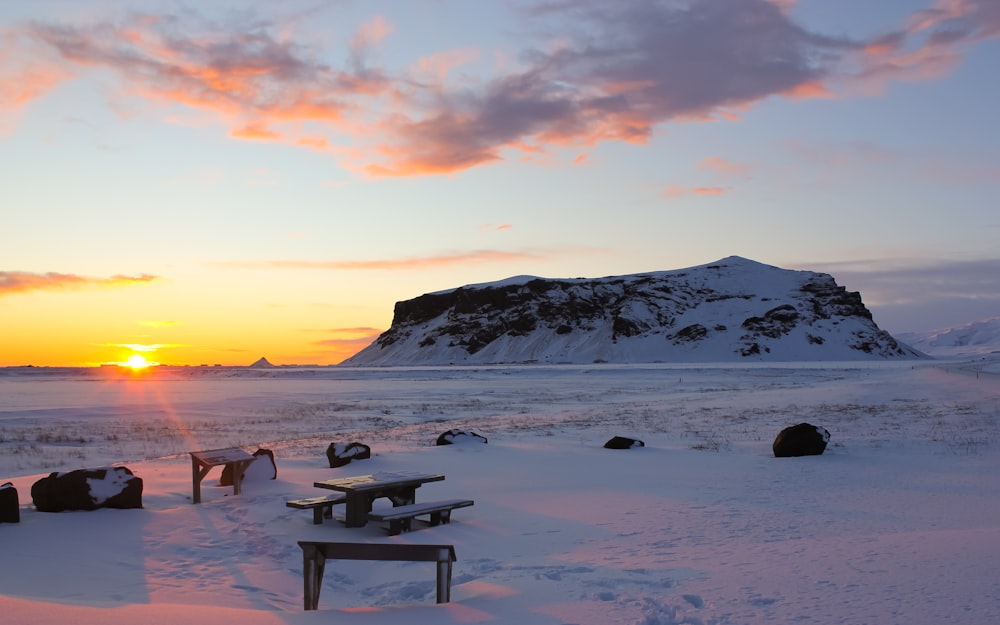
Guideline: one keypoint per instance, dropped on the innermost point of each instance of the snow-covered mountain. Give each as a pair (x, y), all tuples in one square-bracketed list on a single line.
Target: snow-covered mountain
[(731, 310), (971, 339)]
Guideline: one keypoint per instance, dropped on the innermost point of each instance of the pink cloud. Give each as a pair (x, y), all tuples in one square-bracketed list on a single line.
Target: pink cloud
[(678, 191), (438, 66), (928, 46), (725, 167), (27, 72), (617, 73)]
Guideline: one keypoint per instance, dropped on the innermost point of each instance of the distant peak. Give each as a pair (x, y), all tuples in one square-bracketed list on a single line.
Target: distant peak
[(262, 362)]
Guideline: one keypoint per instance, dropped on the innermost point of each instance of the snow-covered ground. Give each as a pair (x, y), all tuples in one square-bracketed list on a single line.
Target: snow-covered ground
[(898, 522)]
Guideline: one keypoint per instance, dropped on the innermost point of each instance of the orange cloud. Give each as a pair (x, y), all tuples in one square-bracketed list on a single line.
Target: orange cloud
[(676, 191), (424, 262), (709, 190), (254, 131), (346, 342), (808, 90), (725, 167), (12, 282)]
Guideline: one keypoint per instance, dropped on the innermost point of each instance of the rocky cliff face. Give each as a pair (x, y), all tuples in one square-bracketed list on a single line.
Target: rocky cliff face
[(731, 310)]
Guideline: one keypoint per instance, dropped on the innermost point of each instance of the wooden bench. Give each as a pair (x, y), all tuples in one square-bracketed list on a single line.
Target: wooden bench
[(400, 517), (321, 506), (315, 555)]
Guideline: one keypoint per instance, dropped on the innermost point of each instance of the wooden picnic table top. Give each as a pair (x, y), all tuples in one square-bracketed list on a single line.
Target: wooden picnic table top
[(216, 457), (378, 481)]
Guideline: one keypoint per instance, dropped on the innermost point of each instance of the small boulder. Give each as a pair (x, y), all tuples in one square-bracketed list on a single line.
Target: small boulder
[(262, 468), (10, 511), (88, 489), (452, 437), (623, 442), (340, 454), (803, 439)]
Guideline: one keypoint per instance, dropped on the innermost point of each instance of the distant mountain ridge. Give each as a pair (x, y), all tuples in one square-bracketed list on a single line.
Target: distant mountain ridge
[(731, 310), (971, 339)]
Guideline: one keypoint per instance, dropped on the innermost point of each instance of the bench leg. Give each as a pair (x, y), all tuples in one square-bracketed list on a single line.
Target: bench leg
[(441, 516), (318, 515), (397, 526)]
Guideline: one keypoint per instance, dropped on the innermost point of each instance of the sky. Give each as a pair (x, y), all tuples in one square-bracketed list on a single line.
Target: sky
[(211, 183)]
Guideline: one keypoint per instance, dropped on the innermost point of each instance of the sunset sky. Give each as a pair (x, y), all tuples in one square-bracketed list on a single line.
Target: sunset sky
[(209, 183)]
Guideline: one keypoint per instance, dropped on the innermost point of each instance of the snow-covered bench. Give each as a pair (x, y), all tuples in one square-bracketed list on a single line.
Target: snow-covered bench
[(400, 517), (321, 506)]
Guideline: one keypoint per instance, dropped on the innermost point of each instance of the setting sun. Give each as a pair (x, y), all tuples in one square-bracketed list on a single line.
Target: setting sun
[(137, 361)]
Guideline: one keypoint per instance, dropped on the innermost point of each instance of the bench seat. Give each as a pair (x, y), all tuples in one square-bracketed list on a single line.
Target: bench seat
[(321, 506), (400, 517)]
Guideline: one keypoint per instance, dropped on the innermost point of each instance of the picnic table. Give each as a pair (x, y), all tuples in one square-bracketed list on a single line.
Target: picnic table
[(362, 490), (203, 461)]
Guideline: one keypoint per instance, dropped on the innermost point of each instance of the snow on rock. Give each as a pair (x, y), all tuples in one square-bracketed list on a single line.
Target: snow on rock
[(734, 309)]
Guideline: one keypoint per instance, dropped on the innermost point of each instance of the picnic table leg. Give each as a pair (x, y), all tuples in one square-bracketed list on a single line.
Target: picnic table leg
[(358, 506), (313, 565), (239, 468), (444, 577), (404, 496), (237, 478), (198, 473)]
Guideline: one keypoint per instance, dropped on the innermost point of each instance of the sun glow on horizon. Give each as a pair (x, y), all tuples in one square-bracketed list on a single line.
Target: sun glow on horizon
[(137, 362)]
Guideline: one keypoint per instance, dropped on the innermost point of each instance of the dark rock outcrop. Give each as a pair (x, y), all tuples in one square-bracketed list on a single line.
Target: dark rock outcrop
[(803, 439), (88, 489), (10, 507), (623, 442), (731, 310), (339, 454), (452, 437), (262, 468)]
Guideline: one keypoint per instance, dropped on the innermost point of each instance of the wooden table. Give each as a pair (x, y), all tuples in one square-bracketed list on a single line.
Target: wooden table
[(203, 461), (362, 490)]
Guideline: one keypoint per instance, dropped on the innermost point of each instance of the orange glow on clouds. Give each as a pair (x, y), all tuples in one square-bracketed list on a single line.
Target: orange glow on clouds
[(709, 190), (23, 281), (422, 262), (406, 123)]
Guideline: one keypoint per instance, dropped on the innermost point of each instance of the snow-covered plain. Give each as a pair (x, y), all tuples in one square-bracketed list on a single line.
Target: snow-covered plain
[(898, 522)]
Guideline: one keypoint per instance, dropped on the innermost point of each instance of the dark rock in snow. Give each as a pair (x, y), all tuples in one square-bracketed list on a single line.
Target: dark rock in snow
[(10, 510), (458, 436), (340, 454), (623, 442), (262, 468), (88, 489), (803, 439)]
